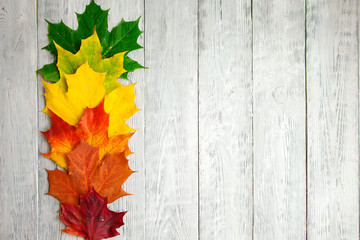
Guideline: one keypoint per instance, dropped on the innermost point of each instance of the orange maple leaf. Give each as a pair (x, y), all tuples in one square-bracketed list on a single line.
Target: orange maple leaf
[(92, 128), (109, 177), (63, 187), (82, 163), (85, 172)]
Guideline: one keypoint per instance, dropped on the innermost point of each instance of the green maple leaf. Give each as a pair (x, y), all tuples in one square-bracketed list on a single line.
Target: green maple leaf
[(122, 38)]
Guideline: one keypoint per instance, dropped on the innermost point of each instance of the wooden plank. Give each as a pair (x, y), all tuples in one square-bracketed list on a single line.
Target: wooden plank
[(279, 119), (134, 227), (333, 114), (52, 11), (225, 119), (171, 153), (18, 120)]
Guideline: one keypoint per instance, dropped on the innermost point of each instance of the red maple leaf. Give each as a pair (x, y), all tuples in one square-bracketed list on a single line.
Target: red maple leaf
[(93, 128), (91, 220)]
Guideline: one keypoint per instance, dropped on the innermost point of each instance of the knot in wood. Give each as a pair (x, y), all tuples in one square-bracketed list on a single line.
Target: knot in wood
[(280, 94)]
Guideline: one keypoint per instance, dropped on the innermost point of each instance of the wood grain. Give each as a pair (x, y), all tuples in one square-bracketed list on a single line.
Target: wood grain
[(279, 119), (225, 119), (333, 115), (18, 121), (171, 119)]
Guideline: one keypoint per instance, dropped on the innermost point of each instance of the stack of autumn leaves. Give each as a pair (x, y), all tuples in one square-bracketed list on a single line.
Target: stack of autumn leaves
[(88, 109)]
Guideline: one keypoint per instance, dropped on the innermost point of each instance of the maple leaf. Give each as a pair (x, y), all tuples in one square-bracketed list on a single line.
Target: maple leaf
[(122, 38), (86, 171), (63, 138), (82, 164), (63, 187), (92, 128), (114, 169), (86, 89), (91, 220), (90, 51)]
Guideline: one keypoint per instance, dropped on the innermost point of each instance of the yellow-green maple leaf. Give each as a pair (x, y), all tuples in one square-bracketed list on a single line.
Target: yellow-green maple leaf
[(90, 51), (86, 89)]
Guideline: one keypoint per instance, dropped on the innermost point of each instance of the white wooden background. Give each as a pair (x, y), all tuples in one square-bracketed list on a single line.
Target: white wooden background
[(249, 127)]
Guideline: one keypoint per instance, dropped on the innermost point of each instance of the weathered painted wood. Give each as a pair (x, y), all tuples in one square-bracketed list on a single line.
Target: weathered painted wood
[(18, 121), (134, 228), (171, 119), (225, 119), (279, 119), (333, 115), (166, 151)]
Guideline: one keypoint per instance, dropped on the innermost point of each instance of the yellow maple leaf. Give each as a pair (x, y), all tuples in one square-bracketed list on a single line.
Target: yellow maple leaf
[(90, 51), (86, 89)]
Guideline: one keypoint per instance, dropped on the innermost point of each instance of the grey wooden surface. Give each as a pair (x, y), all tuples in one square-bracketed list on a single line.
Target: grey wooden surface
[(249, 126), (279, 120), (333, 119)]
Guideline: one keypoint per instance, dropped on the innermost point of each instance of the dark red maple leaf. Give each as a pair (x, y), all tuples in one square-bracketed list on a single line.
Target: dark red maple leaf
[(91, 220)]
